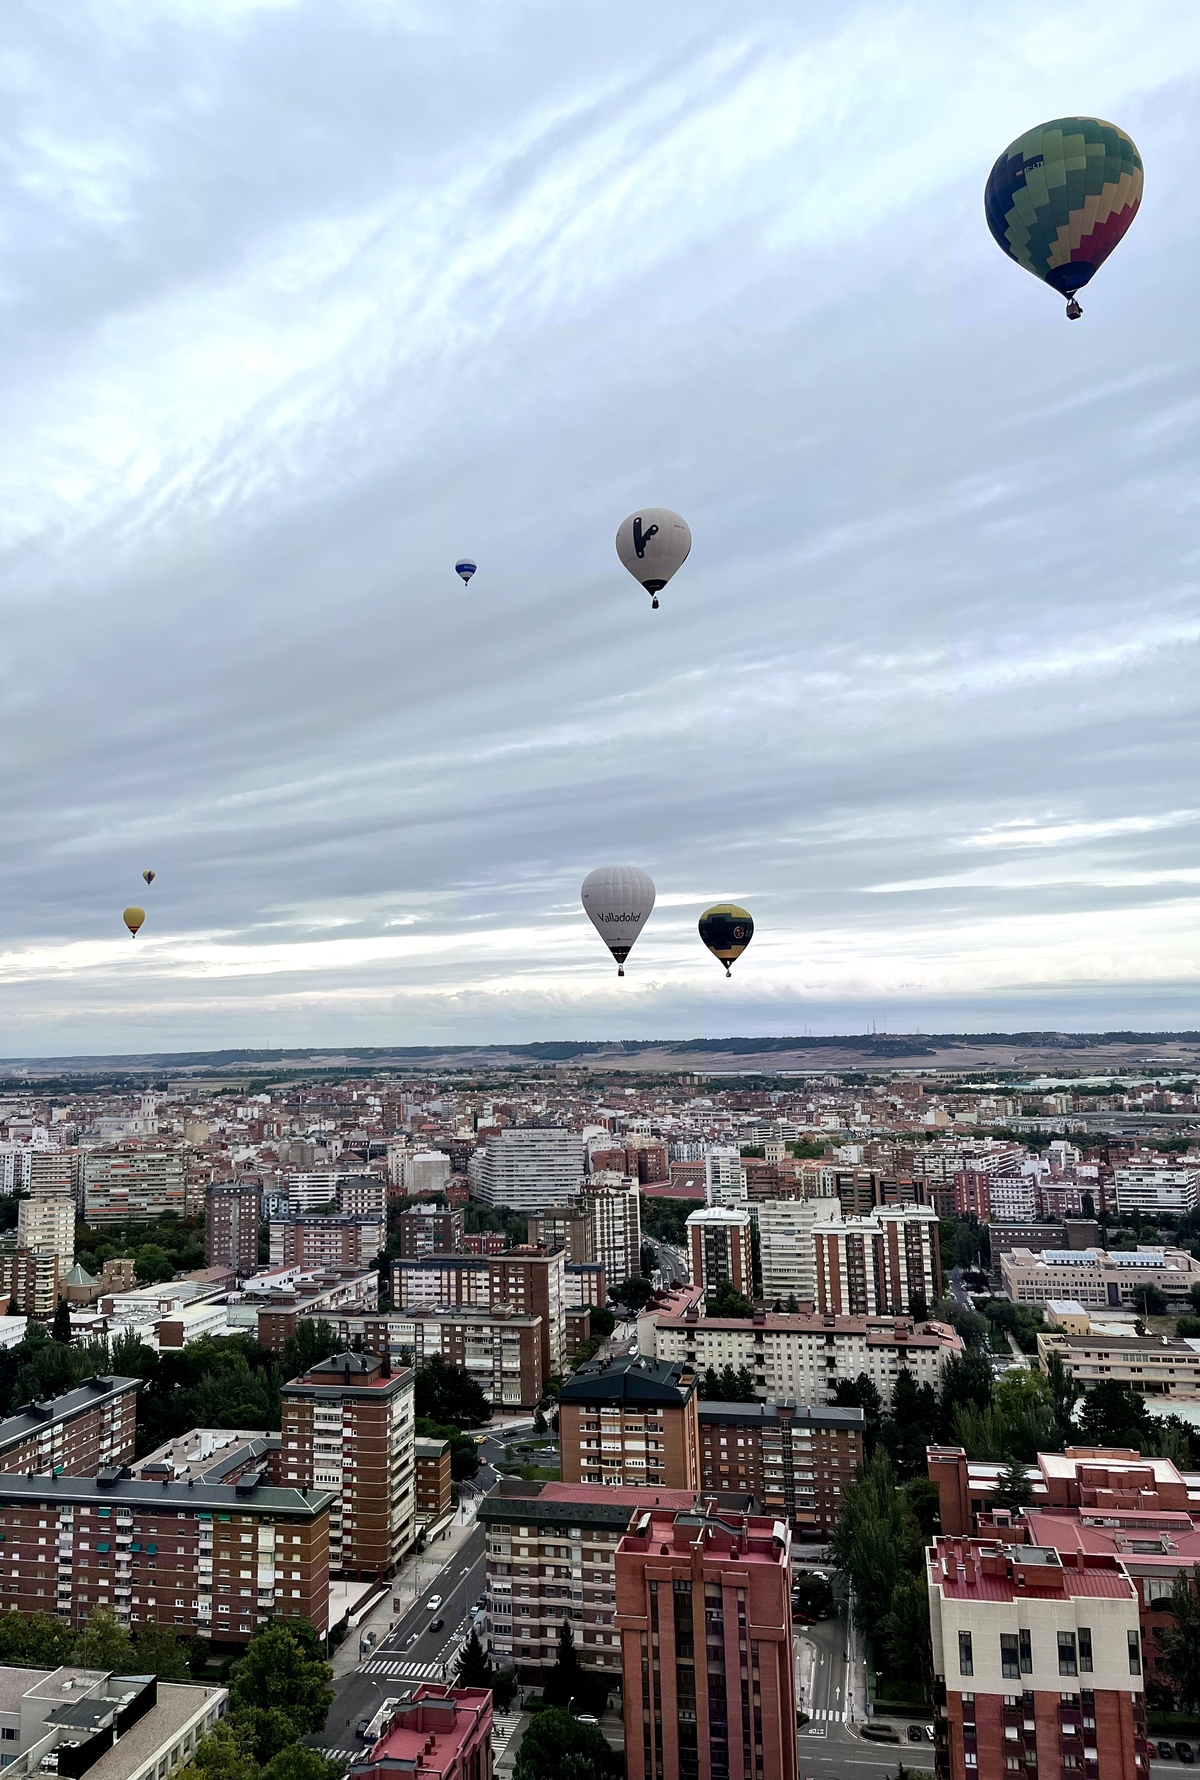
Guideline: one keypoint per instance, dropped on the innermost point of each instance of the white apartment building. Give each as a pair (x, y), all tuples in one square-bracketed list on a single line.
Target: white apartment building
[(424, 1171), (947, 1156), (724, 1177), (1156, 1189), (803, 1357), (47, 1221), (528, 1168), (1013, 1197), (785, 1245), (616, 1219), (1096, 1277), (308, 1188), (878, 1264), (133, 1184)]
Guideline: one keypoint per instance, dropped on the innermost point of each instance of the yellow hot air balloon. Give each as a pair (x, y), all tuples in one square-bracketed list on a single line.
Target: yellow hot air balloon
[(133, 919), (726, 930)]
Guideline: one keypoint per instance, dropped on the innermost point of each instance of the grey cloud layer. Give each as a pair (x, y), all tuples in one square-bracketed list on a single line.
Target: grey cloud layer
[(302, 301)]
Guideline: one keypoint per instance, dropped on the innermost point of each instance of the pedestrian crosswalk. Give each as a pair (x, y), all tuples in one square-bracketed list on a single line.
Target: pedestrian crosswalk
[(825, 1714), (404, 1671), (502, 1735), (346, 1755)]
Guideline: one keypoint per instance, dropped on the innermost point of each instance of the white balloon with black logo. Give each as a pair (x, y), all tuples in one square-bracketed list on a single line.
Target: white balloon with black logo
[(618, 900), (652, 544)]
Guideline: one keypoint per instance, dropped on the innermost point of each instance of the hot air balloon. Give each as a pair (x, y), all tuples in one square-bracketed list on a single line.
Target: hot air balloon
[(149, 876), (618, 900), (1061, 197), (133, 919), (652, 544), (726, 930), (465, 568)]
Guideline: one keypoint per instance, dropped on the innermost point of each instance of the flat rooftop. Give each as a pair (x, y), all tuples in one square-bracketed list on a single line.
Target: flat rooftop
[(38, 1416), (177, 1703)]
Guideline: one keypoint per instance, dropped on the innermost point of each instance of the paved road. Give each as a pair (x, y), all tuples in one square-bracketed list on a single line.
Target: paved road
[(410, 1654), (829, 1749)]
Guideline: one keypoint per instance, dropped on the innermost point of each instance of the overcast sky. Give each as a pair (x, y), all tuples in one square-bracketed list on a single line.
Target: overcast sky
[(301, 301)]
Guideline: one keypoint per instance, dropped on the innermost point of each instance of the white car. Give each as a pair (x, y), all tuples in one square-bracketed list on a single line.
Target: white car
[(433, 1603)]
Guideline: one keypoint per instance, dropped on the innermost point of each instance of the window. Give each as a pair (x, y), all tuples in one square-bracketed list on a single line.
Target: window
[(1085, 1650), (1026, 1654), (1135, 1654), (1008, 1654), (966, 1661), (1066, 1654)]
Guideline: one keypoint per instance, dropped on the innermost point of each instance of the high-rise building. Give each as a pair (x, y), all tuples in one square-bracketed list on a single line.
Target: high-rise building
[(55, 1170), (134, 1185), (312, 1239), (499, 1349), (567, 1227), (785, 1245), (796, 1460), (719, 1249), (879, 1264), (616, 1219), (724, 1177), (424, 1171), (30, 1279), (630, 1421), (46, 1220), (430, 1230), (708, 1679), (526, 1280), (204, 1560), (528, 1168), (1038, 1664), (347, 1427), (1156, 1189), (231, 1226)]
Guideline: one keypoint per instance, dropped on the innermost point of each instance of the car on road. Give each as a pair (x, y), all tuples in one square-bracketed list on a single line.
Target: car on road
[(362, 1728), (433, 1603), (435, 1625)]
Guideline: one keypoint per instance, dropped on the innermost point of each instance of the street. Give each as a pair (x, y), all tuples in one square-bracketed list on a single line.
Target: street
[(828, 1749), (409, 1653)]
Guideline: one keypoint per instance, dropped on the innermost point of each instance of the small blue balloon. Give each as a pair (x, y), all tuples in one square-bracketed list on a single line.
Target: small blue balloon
[(465, 569)]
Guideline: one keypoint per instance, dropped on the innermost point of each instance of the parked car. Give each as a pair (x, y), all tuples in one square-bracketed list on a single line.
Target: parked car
[(1165, 1751), (929, 1733), (435, 1625), (1184, 1752), (915, 1734)]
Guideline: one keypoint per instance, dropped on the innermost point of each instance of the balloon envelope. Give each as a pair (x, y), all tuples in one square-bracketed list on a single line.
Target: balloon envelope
[(1061, 196), (726, 930), (465, 568), (618, 900), (149, 876), (652, 544), (133, 919)]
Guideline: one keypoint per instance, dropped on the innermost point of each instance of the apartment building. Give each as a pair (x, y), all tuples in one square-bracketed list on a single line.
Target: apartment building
[(786, 1249), (76, 1434), (1097, 1277), (347, 1427), (724, 1177), (1155, 1365), (1156, 1189), (30, 1279), (630, 1421), (231, 1225), (499, 1349), (585, 1285), (794, 1459), (527, 1281), (803, 1356), (419, 1171), (615, 1213), (569, 1227), (528, 1168), (719, 1249), (430, 1230), (551, 1556), (440, 1733), (46, 1220), (693, 1589), (877, 1265), (137, 1185), (1038, 1664), (204, 1560), (313, 1239), (277, 1300), (431, 1483), (52, 1170)]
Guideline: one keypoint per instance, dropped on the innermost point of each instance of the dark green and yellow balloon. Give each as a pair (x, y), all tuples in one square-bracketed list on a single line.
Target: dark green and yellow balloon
[(1060, 198), (726, 930)]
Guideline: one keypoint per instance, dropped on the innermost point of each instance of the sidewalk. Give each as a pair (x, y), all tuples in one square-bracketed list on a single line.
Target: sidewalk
[(414, 1578)]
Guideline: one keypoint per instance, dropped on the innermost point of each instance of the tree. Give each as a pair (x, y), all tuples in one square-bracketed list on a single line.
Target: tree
[(728, 1386), (1064, 1393), (966, 1378), (906, 1632), (918, 1307), (265, 1731), (862, 1393), (1180, 1643), (280, 1674), (877, 1539), (35, 1640), (159, 1652), (1113, 1414), (1014, 1490), (105, 1645), (298, 1763), (1149, 1300), (1088, 1205), (565, 1679), (444, 1394), (60, 1328), (725, 1301), (649, 1259), (634, 1293), (602, 1323), (557, 1745), (311, 1342), (1194, 1297), (221, 1755), (474, 1668), (913, 1424), (152, 1264)]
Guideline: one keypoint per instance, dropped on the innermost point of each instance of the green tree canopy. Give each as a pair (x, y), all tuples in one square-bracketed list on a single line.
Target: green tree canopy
[(311, 1342), (557, 1747), (448, 1396), (298, 1763), (152, 1263), (1113, 1414), (105, 1645), (634, 1293), (726, 1302), (1180, 1643), (279, 1673)]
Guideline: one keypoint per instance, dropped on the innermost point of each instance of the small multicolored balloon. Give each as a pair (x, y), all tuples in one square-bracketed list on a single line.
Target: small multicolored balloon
[(1061, 197), (149, 876), (726, 930), (466, 568)]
